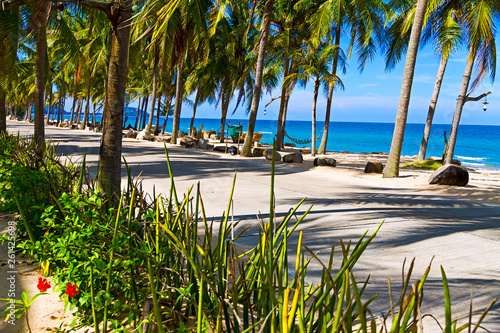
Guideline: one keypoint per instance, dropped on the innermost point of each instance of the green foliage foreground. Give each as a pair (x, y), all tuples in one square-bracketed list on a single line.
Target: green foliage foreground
[(159, 264)]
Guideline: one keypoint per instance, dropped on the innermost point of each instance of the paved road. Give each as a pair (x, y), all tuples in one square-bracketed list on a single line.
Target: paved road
[(460, 234)]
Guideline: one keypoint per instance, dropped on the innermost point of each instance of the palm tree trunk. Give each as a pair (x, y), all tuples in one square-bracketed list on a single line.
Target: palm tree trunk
[(458, 110), (27, 110), (75, 97), (145, 113), (285, 104), (167, 112), (3, 111), (279, 134), (94, 106), (259, 69), (155, 85), (315, 99), (392, 167), (142, 114), (40, 60), (196, 101), (87, 106), (109, 179), (79, 111), (60, 113), (157, 129), (137, 113), (179, 92), (324, 138), (432, 108), (50, 102), (223, 116)]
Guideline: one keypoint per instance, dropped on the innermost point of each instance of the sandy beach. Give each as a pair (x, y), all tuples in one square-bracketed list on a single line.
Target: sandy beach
[(456, 227)]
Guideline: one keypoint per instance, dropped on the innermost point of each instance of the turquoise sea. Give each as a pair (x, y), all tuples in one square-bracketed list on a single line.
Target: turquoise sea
[(477, 145)]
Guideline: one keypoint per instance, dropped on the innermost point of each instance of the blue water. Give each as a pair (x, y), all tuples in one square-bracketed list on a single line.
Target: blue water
[(477, 145)]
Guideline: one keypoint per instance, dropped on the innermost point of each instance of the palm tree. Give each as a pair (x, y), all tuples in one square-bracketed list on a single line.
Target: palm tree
[(441, 26), (480, 29), (392, 167), (9, 36), (365, 22), (259, 69), (293, 29), (41, 21), (109, 178), (448, 37), (202, 81), (156, 59), (315, 66), (185, 24), (231, 66)]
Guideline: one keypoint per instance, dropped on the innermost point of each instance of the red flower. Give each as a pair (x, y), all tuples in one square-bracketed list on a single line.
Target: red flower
[(71, 290), (43, 284)]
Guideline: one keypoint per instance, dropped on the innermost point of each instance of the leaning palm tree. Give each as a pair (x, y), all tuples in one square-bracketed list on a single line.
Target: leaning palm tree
[(448, 36), (293, 30), (259, 69), (441, 26), (392, 167), (479, 28)]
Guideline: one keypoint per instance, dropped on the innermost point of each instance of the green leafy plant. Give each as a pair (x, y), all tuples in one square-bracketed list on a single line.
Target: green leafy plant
[(20, 307), (428, 164)]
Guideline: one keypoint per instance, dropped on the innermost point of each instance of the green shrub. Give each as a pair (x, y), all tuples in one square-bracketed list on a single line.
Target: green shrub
[(166, 255), (30, 175), (428, 164)]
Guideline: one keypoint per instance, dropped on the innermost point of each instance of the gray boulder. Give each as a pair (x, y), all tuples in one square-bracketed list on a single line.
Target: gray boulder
[(374, 167), (450, 175), (207, 134), (191, 145), (202, 144), (187, 139), (259, 151), (293, 158), (221, 149), (233, 150), (325, 162), (131, 134), (269, 155), (144, 135)]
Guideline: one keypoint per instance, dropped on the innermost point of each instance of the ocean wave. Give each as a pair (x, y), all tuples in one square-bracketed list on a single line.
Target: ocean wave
[(471, 158), (473, 164)]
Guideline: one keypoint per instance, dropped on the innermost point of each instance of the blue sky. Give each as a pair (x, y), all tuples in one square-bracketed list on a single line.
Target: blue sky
[(373, 96)]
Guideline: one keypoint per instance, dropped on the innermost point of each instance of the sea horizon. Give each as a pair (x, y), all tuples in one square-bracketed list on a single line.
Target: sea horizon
[(476, 145)]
